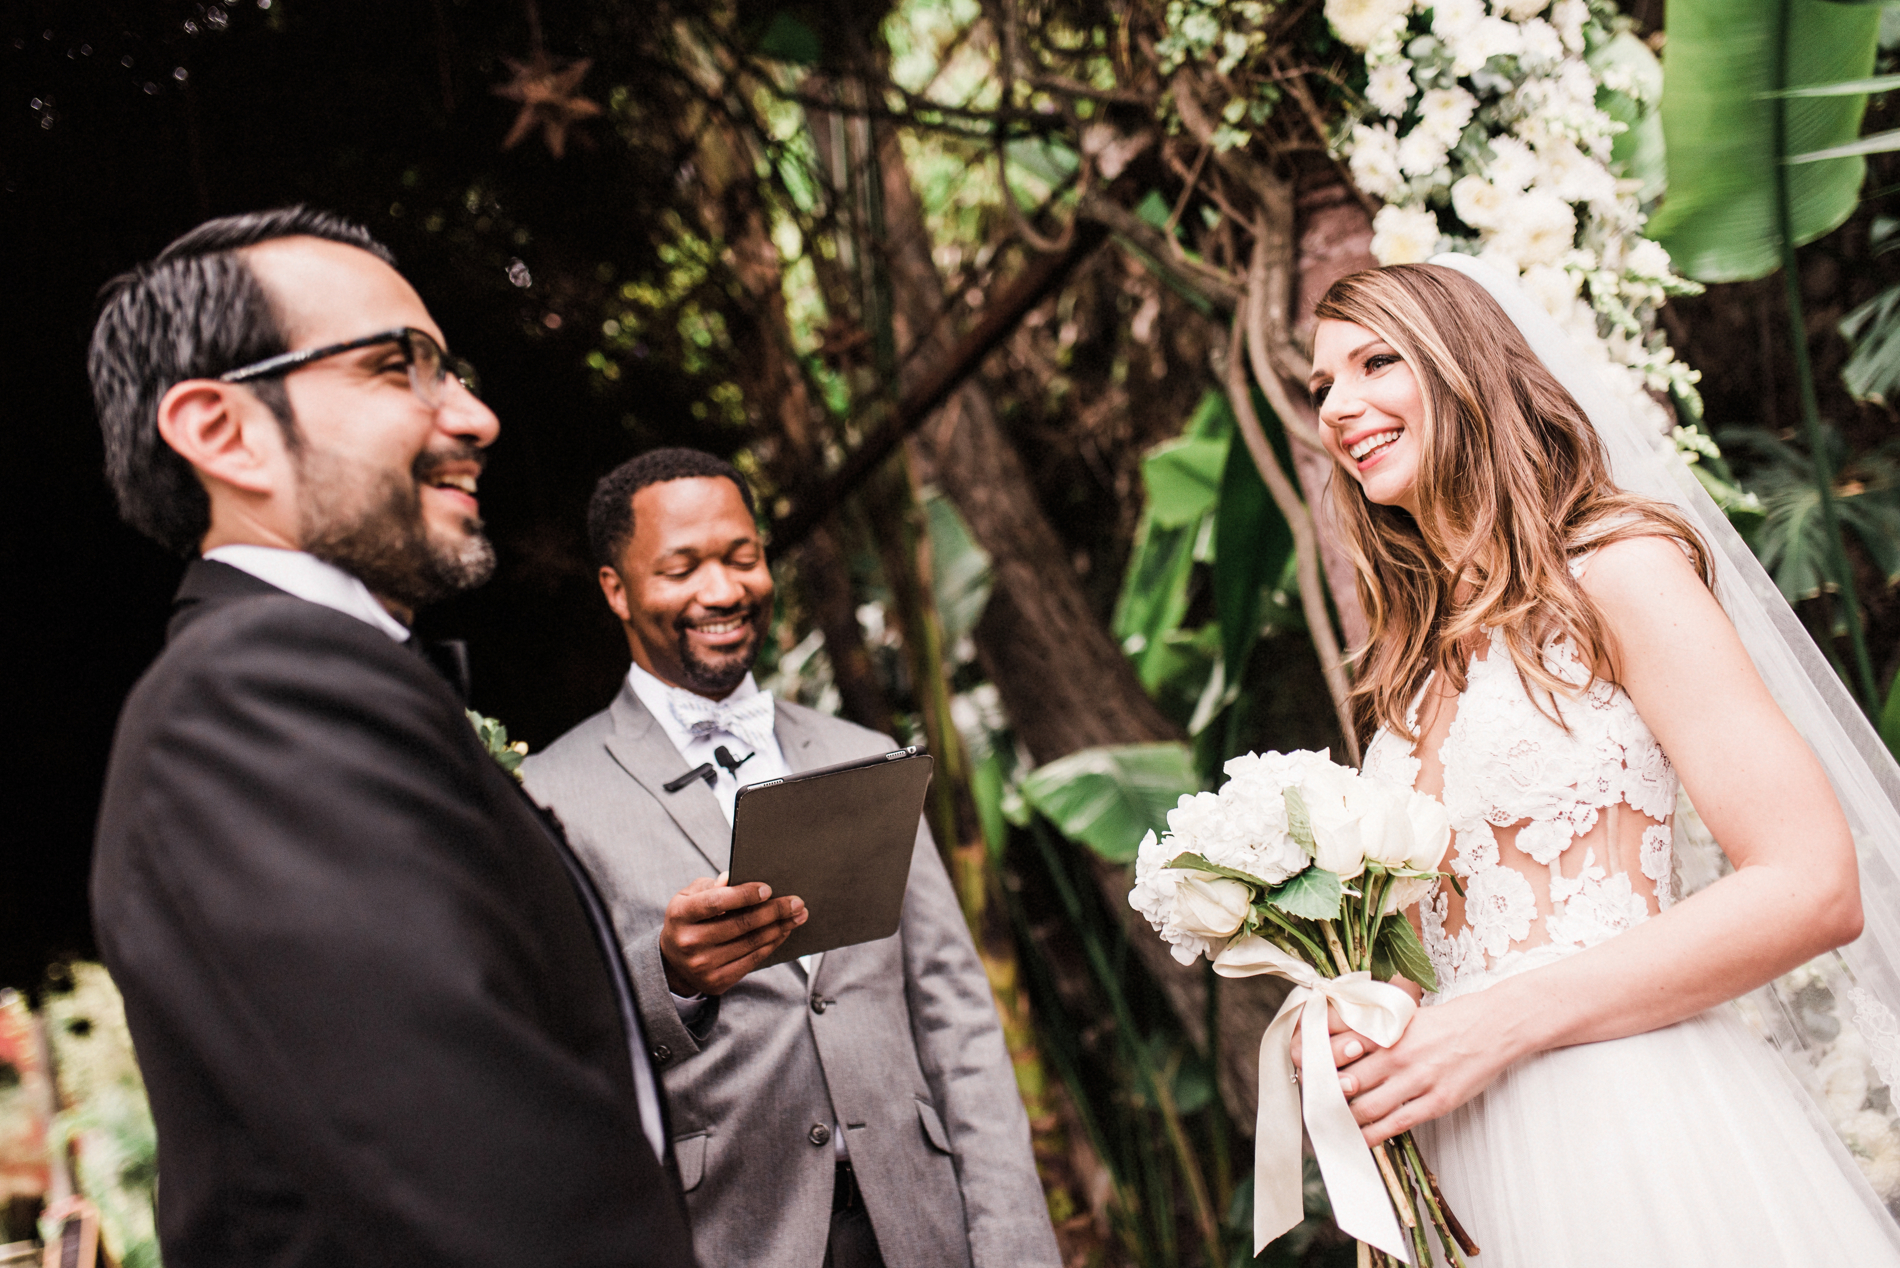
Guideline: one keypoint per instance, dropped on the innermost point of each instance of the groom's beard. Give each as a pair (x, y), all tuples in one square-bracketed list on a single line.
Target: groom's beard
[(385, 542), (716, 678)]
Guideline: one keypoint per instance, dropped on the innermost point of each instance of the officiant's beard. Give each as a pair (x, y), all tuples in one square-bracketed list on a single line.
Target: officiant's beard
[(716, 679), (385, 543)]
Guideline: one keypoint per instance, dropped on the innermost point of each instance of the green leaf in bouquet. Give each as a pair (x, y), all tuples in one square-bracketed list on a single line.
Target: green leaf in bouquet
[(1201, 864), (1315, 894), (1299, 823), (1398, 946)]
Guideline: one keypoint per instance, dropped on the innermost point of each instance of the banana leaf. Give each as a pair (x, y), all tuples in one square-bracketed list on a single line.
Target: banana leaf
[(1251, 546), (1724, 61), (1108, 798)]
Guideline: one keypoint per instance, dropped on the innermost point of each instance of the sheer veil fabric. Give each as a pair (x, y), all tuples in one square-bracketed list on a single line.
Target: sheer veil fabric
[(1829, 1100)]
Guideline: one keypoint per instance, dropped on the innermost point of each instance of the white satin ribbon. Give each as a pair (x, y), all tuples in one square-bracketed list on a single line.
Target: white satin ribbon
[(1362, 1207)]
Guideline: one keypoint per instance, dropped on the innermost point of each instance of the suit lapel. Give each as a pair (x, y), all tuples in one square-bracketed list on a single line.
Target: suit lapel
[(641, 747)]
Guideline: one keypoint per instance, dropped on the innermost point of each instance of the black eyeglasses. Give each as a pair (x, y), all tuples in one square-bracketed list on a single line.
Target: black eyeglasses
[(429, 366)]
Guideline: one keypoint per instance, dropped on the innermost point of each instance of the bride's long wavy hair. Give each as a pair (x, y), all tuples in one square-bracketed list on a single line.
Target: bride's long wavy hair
[(1512, 481)]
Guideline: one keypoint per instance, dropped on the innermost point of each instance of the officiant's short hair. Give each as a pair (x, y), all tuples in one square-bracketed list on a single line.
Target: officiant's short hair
[(610, 510), (195, 311)]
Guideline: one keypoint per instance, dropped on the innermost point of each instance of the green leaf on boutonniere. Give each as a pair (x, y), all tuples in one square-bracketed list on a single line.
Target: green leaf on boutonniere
[(1299, 823), (1400, 951), (494, 738), (1200, 864), (1315, 894)]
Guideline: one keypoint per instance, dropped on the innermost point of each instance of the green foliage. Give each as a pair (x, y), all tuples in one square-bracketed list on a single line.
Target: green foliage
[(1314, 894), (1720, 221), (1792, 538), (1638, 153), (1890, 717), (1252, 544), (960, 569), (494, 738), (1400, 951), (1108, 798), (1872, 331)]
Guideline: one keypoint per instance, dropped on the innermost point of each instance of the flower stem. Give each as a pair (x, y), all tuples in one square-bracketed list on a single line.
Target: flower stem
[(1339, 953)]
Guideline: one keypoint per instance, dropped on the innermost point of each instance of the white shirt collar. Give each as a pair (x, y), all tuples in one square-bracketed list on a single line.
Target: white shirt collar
[(313, 580)]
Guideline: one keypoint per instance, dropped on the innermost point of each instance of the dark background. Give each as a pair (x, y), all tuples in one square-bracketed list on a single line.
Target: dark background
[(381, 111)]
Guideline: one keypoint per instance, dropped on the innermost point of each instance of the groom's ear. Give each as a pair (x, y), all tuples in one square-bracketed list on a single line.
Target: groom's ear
[(226, 433), (615, 591)]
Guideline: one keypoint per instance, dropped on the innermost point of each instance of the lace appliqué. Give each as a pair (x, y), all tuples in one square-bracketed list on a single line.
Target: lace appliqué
[(1509, 764), (1878, 1027)]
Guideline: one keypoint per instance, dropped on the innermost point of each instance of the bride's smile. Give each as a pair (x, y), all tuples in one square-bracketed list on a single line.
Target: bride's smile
[(1371, 410)]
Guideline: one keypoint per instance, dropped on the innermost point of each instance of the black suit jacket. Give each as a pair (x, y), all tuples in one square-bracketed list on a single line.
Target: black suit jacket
[(375, 1020)]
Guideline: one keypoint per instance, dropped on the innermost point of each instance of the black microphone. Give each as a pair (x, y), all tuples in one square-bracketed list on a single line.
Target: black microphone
[(724, 757), (703, 771)]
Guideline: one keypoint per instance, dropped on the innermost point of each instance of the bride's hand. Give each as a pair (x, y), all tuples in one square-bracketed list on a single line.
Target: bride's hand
[(1448, 1054)]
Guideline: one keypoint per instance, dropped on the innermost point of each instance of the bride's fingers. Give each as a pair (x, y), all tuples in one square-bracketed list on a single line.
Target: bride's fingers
[(1348, 1047), (1335, 1024)]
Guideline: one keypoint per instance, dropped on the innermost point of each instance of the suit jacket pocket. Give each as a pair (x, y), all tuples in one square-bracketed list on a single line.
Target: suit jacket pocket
[(933, 1127), (689, 1152)]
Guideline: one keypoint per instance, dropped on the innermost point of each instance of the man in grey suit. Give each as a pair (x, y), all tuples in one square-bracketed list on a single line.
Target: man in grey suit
[(858, 1108)]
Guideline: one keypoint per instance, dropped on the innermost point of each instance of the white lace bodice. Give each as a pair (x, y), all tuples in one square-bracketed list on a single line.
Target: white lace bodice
[(1561, 837)]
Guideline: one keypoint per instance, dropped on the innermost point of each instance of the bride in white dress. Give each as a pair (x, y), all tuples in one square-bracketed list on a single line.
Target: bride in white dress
[(1548, 659)]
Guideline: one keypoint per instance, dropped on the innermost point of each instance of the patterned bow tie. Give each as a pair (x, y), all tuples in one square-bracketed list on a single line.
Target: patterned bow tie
[(749, 718)]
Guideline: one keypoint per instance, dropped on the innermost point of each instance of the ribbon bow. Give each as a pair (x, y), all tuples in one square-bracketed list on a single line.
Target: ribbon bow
[(749, 718), (1362, 1206)]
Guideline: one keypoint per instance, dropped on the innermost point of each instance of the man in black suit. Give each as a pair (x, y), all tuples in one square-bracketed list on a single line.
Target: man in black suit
[(380, 1015)]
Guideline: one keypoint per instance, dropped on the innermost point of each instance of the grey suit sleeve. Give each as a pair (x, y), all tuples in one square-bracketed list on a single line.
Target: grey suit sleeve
[(960, 1044)]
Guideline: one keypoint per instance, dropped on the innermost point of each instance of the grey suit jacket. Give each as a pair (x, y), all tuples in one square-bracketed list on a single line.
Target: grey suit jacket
[(897, 1041)]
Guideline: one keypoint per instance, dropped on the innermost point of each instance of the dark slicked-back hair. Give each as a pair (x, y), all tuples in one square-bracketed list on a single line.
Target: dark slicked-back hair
[(610, 510), (194, 312)]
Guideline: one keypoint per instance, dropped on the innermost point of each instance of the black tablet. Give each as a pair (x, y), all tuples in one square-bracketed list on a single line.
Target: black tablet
[(839, 837)]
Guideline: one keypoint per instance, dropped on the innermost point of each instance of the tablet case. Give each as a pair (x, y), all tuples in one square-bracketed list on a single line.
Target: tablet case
[(840, 838)]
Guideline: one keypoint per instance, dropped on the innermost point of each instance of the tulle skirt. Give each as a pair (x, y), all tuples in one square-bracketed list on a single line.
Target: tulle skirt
[(1690, 1145)]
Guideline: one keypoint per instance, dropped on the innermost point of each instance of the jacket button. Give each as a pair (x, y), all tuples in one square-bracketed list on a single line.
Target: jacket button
[(660, 1052), (819, 1134), (818, 1006)]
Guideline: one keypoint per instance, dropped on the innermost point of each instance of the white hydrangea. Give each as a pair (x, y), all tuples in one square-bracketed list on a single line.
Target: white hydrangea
[(1574, 176), (1520, 10), (1568, 16), (1402, 235), (1154, 896), (1375, 159), (1389, 86), (1542, 46), (1451, 18), (1362, 23), (1513, 164)]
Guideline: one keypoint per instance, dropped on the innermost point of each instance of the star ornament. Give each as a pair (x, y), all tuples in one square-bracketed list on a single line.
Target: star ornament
[(549, 93)]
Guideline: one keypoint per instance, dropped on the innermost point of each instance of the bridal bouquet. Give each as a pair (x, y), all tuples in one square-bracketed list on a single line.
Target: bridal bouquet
[(1300, 868)]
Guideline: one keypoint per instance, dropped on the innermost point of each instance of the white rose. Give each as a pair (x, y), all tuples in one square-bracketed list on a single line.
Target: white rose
[(1338, 803), (1422, 152), (1540, 228), (1211, 906), (1520, 10), (1389, 87), (1406, 890), (1431, 831), (1361, 23), (1478, 202), (1385, 831), (1513, 166), (1445, 112), (1375, 160), (1402, 236)]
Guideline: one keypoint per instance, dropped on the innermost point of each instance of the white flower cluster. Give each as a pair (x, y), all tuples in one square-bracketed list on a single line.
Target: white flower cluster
[(1491, 113), (1245, 828)]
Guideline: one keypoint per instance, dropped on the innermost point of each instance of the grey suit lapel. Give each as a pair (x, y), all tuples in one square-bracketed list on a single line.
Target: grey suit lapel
[(641, 747)]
